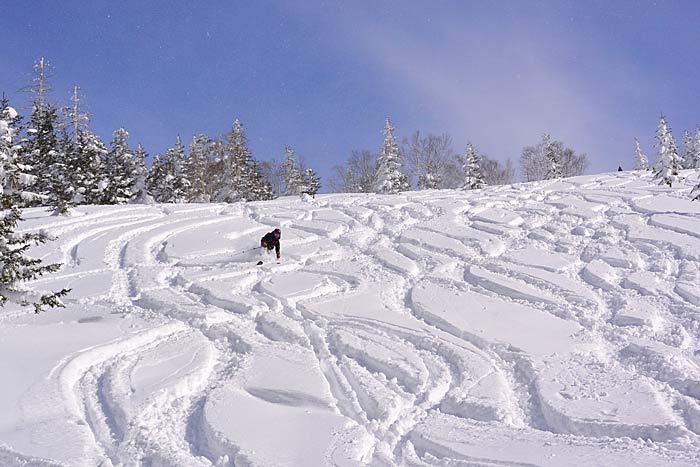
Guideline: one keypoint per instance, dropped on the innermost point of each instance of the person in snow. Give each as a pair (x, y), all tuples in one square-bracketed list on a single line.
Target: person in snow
[(272, 240)]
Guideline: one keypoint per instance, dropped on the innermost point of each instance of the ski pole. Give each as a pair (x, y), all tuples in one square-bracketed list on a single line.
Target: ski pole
[(245, 251)]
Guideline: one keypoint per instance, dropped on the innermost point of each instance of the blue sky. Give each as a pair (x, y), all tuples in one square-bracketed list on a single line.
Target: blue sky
[(321, 76)]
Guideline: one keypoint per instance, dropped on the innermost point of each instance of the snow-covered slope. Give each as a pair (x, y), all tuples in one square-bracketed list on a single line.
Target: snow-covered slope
[(548, 324)]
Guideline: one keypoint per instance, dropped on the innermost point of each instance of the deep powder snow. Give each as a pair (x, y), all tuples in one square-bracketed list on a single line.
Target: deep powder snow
[(544, 324)]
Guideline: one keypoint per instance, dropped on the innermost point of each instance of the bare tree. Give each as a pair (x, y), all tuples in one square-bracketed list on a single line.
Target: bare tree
[(343, 180), (273, 173), (572, 164), (534, 162), (430, 161), (76, 113), (497, 174), (40, 85), (358, 175)]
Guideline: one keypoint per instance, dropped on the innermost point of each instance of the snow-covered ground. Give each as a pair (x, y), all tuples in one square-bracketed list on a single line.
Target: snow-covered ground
[(544, 324)]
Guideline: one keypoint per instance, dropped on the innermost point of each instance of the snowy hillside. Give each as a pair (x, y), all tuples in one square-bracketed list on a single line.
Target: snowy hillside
[(543, 324)]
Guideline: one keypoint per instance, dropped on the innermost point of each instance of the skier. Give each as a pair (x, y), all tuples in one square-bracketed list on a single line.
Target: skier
[(619, 168), (272, 240)]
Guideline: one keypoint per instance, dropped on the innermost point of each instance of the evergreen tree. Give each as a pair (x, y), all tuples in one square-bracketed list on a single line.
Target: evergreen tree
[(157, 180), (242, 161), (13, 174), (667, 162), (552, 158), (40, 148), (236, 167), (431, 180), (473, 175), (119, 171), (177, 186), (82, 153), (197, 170), (688, 158), (292, 176), (640, 159), (311, 183), (141, 195), (89, 152), (15, 266), (389, 176), (41, 145), (217, 157), (694, 163), (61, 191)]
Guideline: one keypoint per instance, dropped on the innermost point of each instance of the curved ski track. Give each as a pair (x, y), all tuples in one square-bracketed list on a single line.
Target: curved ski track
[(351, 293)]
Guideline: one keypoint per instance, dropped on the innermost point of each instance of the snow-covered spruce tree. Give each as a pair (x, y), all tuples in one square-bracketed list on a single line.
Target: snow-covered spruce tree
[(242, 161), (157, 180), (141, 195), (695, 192), (61, 191), (222, 174), (640, 159), (473, 176), (688, 158), (311, 183), (694, 162), (82, 153), (431, 180), (552, 158), (88, 156), (217, 157), (177, 188), (67, 174), (389, 176), (197, 170), (292, 177), (668, 163), (13, 173), (119, 170), (41, 145), (15, 265), (41, 140), (236, 167)]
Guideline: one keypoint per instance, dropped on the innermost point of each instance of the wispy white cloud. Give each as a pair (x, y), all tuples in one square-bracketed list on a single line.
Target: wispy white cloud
[(502, 89)]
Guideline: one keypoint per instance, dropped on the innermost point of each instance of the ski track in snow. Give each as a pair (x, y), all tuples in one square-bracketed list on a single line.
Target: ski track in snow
[(543, 324)]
